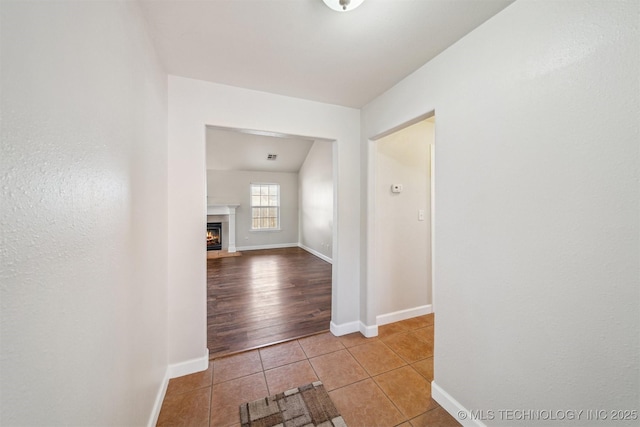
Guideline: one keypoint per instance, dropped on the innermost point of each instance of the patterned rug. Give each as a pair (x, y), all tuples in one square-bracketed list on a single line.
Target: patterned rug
[(308, 405)]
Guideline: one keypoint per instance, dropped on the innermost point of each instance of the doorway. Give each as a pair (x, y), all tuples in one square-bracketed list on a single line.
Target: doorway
[(411, 216), (301, 171)]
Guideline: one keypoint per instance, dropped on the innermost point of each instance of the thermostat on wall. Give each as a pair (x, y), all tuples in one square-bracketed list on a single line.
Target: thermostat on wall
[(396, 188)]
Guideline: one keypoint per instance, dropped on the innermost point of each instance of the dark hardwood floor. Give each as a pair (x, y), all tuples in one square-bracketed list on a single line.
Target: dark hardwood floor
[(265, 297)]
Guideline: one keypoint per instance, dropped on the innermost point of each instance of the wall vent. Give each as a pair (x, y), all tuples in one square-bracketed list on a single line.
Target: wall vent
[(272, 156)]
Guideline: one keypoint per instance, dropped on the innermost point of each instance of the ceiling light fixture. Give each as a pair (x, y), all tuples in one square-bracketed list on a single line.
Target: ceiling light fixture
[(343, 5)]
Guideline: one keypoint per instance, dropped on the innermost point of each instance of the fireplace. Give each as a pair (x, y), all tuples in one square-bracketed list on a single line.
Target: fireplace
[(214, 236), (228, 211)]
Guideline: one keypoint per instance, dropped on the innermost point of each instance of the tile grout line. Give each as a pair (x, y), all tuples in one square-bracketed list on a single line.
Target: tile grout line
[(210, 398), (311, 364), (406, 418), (308, 358), (369, 375), (211, 391), (264, 375)]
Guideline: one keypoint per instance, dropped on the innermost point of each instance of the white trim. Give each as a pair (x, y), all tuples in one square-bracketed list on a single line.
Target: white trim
[(352, 327), (218, 209), (157, 405), (396, 316), (189, 367), (173, 371), (368, 331), (432, 231), (371, 247), (405, 124), (274, 246), (453, 407), (228, 210), (316, 253), (345, 328), (335, 251)]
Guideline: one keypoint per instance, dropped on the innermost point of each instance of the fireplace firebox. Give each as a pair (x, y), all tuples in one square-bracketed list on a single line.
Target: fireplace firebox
[(214, 236)]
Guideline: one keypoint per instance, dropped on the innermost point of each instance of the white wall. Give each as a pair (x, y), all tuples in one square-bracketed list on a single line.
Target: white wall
[(84, 215), (234, 187), (402, 241), (536, 207), (194, 104), (316, 200)]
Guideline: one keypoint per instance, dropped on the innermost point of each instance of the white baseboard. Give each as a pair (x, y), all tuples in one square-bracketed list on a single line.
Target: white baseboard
[(192, 366), (157, 405), (453, 407), (316, 253), (397, 316), (173, 371), (355, 326), (344, 328), (383, 319), (368, 331), (274, 246), (285, 245)]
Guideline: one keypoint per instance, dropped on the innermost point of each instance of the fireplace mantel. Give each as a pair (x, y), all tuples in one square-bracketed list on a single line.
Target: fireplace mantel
[(230, 210), (222, 209)]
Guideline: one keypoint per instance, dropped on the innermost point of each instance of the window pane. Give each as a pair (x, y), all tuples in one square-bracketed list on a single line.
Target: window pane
[(265, 210)]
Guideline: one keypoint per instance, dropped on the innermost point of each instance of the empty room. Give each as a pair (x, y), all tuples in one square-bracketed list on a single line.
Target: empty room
[(485, 274)]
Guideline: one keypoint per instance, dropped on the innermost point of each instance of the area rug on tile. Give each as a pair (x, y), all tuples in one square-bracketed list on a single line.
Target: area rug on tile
[(309, 405)]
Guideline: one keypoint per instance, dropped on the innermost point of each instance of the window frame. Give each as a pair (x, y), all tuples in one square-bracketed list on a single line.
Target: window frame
[(277, 207)]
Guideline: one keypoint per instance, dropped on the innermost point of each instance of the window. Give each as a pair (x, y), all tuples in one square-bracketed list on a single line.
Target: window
[(265, 206)]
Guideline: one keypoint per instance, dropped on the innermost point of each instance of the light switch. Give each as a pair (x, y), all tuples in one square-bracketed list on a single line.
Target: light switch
[(420, 214)]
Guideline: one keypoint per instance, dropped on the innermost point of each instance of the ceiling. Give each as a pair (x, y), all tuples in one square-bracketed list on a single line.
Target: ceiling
[(303, 49), (247, 151)]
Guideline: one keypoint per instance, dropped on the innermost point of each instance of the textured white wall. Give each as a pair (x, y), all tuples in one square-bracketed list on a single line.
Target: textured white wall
[(316, 199), (194, 104), (536, 206), (83, 217), (234, 187), (402, 242)]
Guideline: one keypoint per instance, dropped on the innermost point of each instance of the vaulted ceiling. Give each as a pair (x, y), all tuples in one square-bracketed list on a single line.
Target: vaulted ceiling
[(249, 151)]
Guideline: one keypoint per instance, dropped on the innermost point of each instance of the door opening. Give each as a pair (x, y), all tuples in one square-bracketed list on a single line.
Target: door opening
[(402, 229), (282, 188)]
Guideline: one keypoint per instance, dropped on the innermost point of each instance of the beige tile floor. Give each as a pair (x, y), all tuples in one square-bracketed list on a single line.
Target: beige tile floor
[(383, 381)]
